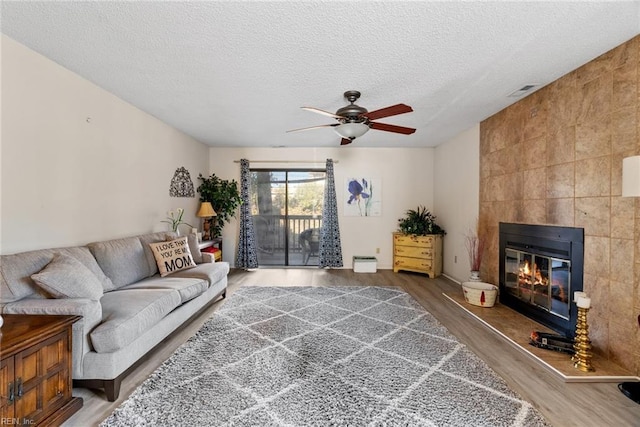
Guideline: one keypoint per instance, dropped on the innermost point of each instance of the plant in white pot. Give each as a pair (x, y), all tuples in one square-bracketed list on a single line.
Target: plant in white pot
[(174, 219)]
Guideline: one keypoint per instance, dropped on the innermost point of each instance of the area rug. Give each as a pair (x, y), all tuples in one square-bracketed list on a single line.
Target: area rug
[(323, 356)]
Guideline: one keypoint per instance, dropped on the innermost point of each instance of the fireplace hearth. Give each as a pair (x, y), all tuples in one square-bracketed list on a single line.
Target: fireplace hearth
[(540, 268)]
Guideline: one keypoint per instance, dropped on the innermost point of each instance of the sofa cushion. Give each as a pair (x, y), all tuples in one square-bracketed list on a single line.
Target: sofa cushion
[(66, 277), (127, 314), (16, 271), (146, 239), (211, 272), (122, 260), (172, 256), (188, 288)]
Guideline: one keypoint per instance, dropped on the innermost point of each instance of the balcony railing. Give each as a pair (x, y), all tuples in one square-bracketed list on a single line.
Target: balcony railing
[(272, 230)]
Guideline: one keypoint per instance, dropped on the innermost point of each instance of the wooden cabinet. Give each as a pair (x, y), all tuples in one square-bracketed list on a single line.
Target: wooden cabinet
[(35, 370), (422, 254)]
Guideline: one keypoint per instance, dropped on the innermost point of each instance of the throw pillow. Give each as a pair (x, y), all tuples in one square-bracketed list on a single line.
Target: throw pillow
[(172, 256), (195, 248), (66, 277)]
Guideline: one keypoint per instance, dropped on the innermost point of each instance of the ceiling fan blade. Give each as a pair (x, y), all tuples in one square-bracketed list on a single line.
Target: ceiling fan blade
[(312, 127), (345, 141), (391, 128), (388, 111), (319, 111)]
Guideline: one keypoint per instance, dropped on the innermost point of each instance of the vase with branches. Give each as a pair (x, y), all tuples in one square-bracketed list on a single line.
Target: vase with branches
[(475, 248)]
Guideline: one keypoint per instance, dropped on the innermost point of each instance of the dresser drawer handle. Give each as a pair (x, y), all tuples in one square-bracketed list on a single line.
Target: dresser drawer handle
[(11, 393), (20, 391)]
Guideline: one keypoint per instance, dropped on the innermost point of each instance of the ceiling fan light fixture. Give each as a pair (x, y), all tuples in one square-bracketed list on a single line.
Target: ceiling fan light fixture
[(354, 120), (351, 130)]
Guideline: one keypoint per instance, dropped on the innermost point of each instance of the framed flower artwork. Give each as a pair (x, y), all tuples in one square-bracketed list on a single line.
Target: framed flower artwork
[(363, 197)]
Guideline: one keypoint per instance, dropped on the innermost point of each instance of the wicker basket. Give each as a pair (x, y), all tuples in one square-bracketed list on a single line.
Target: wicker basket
[(480, 293)]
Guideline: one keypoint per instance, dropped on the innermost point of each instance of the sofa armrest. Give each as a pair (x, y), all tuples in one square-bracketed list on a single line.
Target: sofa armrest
[(91, 312), (63, 306), (208, 258)]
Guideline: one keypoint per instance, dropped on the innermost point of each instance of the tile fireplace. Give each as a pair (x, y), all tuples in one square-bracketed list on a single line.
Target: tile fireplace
[(540, 268)]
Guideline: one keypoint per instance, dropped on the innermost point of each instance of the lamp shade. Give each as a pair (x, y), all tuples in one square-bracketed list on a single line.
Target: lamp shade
[(351, 130), (631, 176), (206, 210)]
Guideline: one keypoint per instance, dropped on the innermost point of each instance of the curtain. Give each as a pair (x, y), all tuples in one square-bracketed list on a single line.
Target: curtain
[(247, 256), (330, 254)]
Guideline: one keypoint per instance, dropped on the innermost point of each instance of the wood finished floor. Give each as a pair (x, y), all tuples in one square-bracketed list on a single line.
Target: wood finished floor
[(562, 404)]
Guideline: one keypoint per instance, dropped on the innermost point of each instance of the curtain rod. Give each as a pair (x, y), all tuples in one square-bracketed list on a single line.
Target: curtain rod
[(285, 161)]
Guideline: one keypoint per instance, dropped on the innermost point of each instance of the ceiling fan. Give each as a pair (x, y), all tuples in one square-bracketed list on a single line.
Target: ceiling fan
[(354, 121)]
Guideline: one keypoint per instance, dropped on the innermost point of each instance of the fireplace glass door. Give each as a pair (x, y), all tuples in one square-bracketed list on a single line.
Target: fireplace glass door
[(539, 280)]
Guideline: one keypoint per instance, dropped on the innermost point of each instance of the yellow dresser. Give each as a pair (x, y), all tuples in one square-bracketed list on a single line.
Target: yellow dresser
[(422, 254)]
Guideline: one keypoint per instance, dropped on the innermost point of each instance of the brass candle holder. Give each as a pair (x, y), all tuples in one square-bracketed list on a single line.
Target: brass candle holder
[(582, 344)]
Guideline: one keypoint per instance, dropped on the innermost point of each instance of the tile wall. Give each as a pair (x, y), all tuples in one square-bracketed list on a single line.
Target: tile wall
[(555, 158)]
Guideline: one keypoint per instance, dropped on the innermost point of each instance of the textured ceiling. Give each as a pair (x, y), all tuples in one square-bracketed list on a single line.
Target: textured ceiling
[(237, 73)]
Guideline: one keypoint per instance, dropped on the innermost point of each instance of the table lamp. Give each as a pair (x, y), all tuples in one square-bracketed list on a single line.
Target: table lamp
[(206, 212)]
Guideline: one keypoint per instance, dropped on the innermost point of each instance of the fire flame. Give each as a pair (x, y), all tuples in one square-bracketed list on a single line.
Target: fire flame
[(525, 275), (531, 276)]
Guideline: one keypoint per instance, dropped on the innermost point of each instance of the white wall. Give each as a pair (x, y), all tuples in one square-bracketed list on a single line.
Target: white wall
[(456, 197), (407, 181), (78, 163)]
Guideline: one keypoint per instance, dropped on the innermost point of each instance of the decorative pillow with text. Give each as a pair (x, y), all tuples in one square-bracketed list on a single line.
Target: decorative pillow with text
[(172, 256)]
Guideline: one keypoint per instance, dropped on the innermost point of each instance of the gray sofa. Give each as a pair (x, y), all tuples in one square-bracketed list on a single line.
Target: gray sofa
[(134, 310)]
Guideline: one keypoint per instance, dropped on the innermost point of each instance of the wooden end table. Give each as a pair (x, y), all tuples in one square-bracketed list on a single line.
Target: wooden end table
[(35, 370)]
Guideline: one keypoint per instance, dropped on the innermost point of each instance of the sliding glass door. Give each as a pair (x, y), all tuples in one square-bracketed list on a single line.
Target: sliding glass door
[(287, 213)]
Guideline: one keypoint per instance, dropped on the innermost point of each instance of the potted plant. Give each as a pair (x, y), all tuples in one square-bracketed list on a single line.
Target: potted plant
[(419, 222), (174, 219), (223, 196)]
